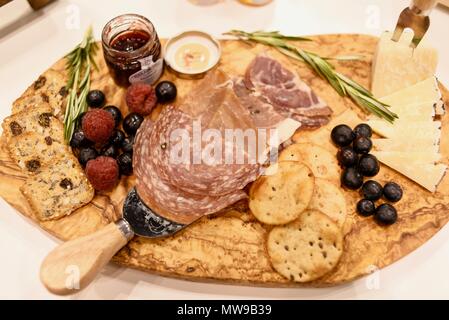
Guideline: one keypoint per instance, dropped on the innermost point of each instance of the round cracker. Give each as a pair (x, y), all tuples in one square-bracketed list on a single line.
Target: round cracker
[(307, 248), (323, 163), (330, 200), (282, 196)]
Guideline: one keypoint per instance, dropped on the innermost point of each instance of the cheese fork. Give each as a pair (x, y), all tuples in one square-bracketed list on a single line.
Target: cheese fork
[(415, 17)]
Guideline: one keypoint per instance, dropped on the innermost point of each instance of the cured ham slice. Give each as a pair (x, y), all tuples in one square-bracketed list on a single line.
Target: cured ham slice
[(264, 114), (286, 92)]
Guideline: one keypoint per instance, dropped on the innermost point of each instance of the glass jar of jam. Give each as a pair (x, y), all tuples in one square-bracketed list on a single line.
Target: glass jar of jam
[(132, 49)]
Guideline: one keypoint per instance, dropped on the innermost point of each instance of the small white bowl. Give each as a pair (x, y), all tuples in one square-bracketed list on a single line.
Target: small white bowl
[(195, 37)]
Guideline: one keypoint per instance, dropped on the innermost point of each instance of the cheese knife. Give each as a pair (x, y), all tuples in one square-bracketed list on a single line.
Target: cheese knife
[(71, 266), (415, 17)]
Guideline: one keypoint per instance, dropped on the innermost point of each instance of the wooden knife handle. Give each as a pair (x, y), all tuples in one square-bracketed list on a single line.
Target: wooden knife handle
[(423, 7), (73, 265)]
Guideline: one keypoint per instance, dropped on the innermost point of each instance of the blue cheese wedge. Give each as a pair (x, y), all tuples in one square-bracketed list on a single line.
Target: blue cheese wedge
[(397, 65)]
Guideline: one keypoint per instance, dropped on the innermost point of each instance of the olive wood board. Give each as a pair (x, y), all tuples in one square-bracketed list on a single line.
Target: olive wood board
[(230, 246)]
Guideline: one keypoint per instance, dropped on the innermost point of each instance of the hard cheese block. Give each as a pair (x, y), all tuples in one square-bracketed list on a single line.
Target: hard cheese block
[(397, 65)]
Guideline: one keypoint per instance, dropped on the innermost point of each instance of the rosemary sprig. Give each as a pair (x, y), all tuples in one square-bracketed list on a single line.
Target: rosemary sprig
[(342, 84), (79, 65)]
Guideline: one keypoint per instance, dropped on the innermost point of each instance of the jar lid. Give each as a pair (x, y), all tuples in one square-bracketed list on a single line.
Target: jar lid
[(192, 53)]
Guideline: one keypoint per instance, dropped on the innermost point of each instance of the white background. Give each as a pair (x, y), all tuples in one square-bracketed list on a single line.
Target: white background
[(31, 41)]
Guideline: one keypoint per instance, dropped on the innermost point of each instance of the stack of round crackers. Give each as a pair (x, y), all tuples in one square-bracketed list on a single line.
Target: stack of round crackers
[(300, 196)]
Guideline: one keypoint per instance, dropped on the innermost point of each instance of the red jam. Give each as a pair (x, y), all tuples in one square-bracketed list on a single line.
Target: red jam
[(130, 40), (126, 40)]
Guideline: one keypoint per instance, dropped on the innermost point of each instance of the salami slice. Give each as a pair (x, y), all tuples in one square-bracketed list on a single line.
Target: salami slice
[(203, 173), (166, 199)]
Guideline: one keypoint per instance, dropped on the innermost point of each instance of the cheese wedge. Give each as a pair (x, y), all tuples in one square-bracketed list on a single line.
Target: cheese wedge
[(406, 130), (415, 157), (397, 65), (426, 91), (405, 145), (426, 175), (415, 112)]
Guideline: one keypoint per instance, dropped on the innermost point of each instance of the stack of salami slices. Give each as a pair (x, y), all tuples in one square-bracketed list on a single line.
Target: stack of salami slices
[(174, 175), (178, 174)]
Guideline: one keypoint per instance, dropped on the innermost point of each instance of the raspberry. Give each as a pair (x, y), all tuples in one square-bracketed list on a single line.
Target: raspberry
[(103, 173), (141, 98), (98, 125)]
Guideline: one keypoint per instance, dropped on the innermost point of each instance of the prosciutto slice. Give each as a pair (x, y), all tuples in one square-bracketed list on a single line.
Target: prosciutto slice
[(286, 92)]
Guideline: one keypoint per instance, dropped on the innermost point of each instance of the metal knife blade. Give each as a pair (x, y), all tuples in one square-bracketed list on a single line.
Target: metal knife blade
[(143, 221)]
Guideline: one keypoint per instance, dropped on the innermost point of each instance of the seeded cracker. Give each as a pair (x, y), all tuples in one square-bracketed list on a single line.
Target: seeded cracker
[(329, 199), (31, 151), (37, 119), (282, 197), (48, 88), (322, 163), (59, 190), (57, 185), (307, 248)]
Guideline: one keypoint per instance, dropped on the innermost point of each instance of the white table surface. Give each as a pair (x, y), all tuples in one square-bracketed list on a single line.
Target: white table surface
[(30, 42)]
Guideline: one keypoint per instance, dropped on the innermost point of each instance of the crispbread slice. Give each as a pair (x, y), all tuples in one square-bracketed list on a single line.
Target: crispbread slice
[(38, 119), (31, 150), (283, 196), (58, 190), (330, 200), (322, 162), (307, 248), (48, 88)]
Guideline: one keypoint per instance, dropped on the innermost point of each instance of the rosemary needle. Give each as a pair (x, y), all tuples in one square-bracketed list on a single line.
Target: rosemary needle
[(321, 65), (79, 65)]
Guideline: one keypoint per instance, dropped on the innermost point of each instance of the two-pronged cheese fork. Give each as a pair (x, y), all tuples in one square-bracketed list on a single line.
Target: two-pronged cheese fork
[(415, 17)]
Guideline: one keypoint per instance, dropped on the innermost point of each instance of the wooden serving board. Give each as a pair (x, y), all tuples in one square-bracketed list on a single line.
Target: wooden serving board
[(231, 246)]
